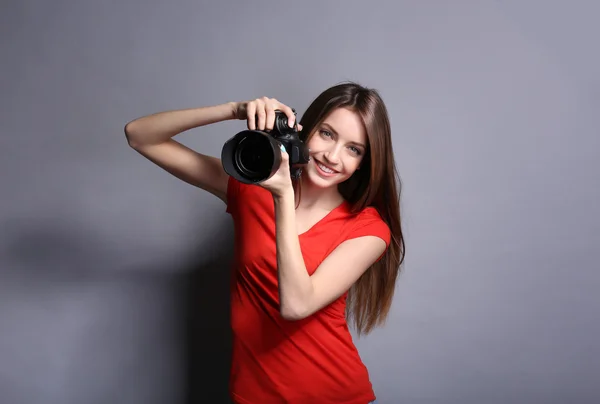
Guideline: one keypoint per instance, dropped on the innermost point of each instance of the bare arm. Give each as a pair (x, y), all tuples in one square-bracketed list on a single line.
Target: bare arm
[(152, 137), (300, 294)]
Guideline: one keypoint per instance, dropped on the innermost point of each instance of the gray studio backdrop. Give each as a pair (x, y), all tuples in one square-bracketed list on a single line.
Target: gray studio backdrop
[(113, 282)]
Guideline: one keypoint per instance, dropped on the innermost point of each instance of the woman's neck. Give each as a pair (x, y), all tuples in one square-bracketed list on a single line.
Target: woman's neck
[(312, 197)]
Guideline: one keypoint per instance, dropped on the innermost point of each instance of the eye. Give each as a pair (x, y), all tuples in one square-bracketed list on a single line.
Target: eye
[(324, 133), (355, 150)]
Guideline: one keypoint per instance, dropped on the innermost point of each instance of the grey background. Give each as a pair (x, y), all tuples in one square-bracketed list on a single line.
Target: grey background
[(113, 280)]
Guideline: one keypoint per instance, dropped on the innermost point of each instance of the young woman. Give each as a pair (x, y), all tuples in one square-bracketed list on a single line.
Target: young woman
[(309, 252)]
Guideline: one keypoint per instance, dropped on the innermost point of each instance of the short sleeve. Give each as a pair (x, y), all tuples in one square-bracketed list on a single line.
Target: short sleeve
[(370, 223), (233, 192)]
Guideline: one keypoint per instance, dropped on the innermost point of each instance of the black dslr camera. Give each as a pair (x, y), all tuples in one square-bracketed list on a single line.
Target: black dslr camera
[(253, 156)]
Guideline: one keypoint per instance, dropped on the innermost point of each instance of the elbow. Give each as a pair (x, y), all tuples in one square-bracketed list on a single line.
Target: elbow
[(130, 130), (293, 313)]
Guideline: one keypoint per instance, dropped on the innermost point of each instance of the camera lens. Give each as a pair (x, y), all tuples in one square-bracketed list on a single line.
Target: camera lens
[(254, 157), (251, 156)]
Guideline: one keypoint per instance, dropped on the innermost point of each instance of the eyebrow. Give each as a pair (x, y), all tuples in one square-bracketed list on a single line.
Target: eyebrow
[(330, 128)]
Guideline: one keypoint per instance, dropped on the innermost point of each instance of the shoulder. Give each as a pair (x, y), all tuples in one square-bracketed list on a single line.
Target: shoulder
[(369, 222), (369, 213)]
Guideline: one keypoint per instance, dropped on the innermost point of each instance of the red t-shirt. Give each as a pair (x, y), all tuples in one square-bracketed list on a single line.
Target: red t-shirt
[(313, 360)]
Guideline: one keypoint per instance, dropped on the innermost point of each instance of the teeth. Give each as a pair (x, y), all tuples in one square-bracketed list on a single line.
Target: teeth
[(326, 169)]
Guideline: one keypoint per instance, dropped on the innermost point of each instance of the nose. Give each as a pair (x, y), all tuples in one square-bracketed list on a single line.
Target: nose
[(332, 155)]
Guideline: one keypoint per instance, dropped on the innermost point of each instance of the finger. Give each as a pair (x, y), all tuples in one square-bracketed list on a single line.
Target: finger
[(284, 155), (289, 113), (299, 128), (270, 119), (250, 113), (261, 114)]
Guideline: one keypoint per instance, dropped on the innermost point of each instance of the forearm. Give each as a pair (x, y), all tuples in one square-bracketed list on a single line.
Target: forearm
[(162, 126), (295, 285)]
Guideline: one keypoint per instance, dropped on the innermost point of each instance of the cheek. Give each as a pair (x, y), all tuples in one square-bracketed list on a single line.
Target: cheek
[(313, 143), (351, 169), (353, 163)]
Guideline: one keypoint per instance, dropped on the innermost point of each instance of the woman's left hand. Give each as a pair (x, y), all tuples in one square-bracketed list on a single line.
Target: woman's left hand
[(281, 182)]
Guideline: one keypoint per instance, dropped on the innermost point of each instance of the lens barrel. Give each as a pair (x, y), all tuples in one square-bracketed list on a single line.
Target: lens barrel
[(251, 156)]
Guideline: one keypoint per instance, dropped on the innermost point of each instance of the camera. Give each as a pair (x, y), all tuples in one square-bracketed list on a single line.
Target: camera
[(253, 156)]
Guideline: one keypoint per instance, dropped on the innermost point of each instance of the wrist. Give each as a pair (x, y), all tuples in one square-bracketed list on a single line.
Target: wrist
[(284, 196), (232, 108)]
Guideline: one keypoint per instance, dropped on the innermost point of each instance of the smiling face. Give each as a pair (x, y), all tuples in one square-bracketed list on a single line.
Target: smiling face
[(337, 148)]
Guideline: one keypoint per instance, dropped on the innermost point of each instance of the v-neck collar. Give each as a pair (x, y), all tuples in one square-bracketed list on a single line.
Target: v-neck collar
[(338, 208)]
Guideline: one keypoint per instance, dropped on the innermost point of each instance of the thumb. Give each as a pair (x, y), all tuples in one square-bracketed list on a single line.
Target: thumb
[(284, 155)]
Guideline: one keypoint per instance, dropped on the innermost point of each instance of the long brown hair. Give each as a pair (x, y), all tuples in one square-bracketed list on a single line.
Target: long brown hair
[(375, 184)]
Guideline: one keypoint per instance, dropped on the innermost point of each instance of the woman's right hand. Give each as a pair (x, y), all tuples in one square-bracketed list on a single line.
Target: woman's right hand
[(260, 113)]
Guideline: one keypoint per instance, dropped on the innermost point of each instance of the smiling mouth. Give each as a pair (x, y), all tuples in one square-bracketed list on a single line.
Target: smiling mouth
[(325, 168)]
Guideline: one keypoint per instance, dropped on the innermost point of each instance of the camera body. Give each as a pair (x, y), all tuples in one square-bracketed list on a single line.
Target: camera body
[(253, 156)]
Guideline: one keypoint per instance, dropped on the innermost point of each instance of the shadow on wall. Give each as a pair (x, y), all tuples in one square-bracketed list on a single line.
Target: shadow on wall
[(208, 330), (86, 328)]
